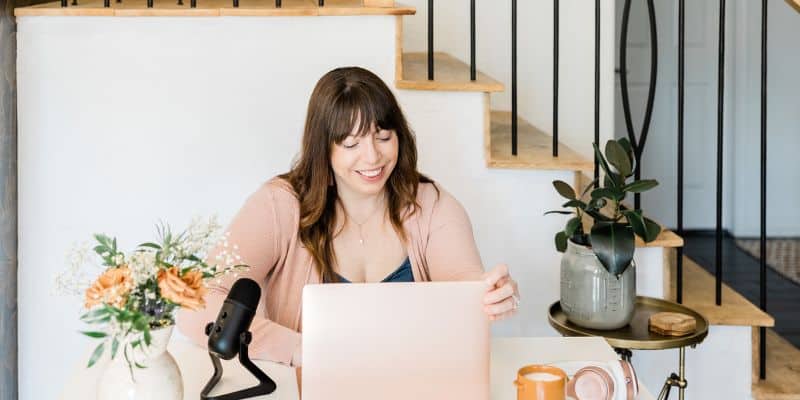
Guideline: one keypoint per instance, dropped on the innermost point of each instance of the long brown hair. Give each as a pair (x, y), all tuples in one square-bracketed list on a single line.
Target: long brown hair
[(342, 98)]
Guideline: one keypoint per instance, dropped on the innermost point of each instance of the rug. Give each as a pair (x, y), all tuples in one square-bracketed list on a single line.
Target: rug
[(783, 255)]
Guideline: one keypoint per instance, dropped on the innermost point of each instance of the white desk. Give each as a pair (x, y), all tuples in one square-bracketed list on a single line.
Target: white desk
[(508, 355)]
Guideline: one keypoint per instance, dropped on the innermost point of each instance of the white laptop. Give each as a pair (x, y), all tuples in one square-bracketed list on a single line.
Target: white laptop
[(395, 341)]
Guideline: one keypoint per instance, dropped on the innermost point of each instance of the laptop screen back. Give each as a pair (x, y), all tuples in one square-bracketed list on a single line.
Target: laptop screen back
[(398, 341)]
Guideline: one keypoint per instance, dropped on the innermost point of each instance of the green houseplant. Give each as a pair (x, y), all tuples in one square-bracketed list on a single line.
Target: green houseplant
[(598, 281)]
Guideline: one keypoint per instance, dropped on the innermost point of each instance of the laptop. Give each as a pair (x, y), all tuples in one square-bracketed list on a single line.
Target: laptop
[(395, 341)]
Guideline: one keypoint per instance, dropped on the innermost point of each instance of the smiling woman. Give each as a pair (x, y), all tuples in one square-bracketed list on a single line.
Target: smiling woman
[(353, 208)]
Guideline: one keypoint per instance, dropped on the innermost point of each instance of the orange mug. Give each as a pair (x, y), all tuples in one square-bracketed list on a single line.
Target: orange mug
[(541, 382)]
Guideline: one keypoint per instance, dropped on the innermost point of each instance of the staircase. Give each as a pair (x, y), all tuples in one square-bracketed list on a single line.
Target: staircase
[(451, 97)]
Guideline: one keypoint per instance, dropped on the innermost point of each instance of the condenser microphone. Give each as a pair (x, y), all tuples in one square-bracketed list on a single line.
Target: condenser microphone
[(234, 318), (229, 335)]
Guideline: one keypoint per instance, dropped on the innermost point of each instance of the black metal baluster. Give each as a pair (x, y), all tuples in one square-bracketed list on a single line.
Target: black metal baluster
[(555, 78), (430, 40), (762, 345), (638, 145), (514, 77), (720, 122), (596, 87), (472, 69), (681, 93)]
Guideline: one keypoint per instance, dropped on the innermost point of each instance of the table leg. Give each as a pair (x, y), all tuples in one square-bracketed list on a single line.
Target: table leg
[(677, 380)]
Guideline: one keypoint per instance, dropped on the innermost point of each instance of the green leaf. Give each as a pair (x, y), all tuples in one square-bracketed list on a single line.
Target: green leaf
[(564, 189), (589, 187), (97, 313), (151, 245), (636, 222), (96, 354), (597, 216), (613, 243), (604, 164), (641, 186), (572, 226), (192, 257), (618, 158), (558, 212), (607, 192), (96, 335), (114, 348), (653, 230), (574, 203), (561, 242), (626, 144), (147, 337)]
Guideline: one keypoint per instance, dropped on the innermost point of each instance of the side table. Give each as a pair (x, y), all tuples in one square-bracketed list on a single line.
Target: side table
[(637, 336)]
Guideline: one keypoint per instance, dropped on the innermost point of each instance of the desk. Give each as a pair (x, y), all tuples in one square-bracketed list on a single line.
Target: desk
[(508, 355)]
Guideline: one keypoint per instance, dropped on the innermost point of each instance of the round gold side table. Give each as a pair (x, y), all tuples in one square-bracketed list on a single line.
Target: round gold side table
[(637, 336)]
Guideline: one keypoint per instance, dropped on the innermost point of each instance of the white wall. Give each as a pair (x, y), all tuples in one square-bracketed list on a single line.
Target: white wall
[(123, 121), (127, 120), (535, 58)]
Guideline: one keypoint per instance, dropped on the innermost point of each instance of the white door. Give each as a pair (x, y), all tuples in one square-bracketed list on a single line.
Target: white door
[(659, 160)]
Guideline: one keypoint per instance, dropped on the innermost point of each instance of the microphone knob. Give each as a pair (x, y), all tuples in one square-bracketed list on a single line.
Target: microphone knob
[(209, 327)]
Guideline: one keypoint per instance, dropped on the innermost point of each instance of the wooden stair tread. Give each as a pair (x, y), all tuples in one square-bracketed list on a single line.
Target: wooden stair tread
[(698, 294), (795, 4), (783, 370), (534, 148), (138, 8), (450, 74)]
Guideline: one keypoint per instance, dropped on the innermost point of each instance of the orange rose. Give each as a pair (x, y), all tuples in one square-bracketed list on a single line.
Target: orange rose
[(187, 290), (112, 288)]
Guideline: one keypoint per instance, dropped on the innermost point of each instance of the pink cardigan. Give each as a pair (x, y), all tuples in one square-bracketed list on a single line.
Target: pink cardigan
[(441, 248)]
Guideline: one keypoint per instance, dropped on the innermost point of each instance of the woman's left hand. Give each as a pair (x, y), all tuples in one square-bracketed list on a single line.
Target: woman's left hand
[(502, 296)]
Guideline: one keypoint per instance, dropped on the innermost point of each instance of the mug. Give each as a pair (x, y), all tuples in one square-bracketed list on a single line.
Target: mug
[(541, 382)]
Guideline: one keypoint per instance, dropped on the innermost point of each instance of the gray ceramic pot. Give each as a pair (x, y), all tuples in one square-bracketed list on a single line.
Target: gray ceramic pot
[(590, 296)]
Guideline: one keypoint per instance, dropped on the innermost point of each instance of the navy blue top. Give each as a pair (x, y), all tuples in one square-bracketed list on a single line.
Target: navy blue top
[(401, 274)]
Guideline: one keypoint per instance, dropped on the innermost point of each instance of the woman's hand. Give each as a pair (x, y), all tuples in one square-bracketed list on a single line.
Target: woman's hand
[(502, 296)]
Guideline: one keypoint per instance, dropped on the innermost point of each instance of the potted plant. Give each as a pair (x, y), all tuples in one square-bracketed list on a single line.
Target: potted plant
[(598, 278), (133, 297)]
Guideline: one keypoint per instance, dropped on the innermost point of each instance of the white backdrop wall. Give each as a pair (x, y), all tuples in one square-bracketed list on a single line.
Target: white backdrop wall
[(535, 58), (124, 121), (127, 121)]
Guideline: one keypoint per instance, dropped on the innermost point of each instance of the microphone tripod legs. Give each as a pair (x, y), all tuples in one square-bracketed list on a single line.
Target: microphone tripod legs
[(265, 384)]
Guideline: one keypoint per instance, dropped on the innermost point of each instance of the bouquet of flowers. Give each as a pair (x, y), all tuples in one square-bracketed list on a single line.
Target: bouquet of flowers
[(139, 291)]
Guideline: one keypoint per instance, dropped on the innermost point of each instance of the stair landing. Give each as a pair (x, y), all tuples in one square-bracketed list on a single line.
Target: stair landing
[(211, 8)]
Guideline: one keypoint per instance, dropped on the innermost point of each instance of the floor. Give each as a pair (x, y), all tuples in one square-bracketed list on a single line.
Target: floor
[(741, 272)]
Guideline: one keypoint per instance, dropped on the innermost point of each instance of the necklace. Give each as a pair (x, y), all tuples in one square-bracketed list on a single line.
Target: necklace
[(361, 225)]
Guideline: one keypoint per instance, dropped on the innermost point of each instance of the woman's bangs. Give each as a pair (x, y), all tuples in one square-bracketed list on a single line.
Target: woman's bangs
[(355, 107)]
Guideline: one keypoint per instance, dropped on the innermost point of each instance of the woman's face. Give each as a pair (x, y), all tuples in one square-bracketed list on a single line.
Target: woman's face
[(363, 164)]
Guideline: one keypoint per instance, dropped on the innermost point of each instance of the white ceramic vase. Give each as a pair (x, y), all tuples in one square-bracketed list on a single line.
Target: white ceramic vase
[(161, 380)]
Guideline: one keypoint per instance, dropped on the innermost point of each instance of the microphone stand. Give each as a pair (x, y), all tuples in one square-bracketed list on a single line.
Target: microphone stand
[(265, 384)]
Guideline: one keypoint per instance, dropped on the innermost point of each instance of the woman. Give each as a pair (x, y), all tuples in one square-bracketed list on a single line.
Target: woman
[(352, 209)]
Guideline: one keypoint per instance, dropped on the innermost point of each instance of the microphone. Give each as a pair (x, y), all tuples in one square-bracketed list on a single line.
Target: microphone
[(234, 318), (229, 335)]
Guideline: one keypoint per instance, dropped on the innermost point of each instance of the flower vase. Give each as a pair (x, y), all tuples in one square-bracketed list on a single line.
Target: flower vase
[(160, 380), (591, 297)]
